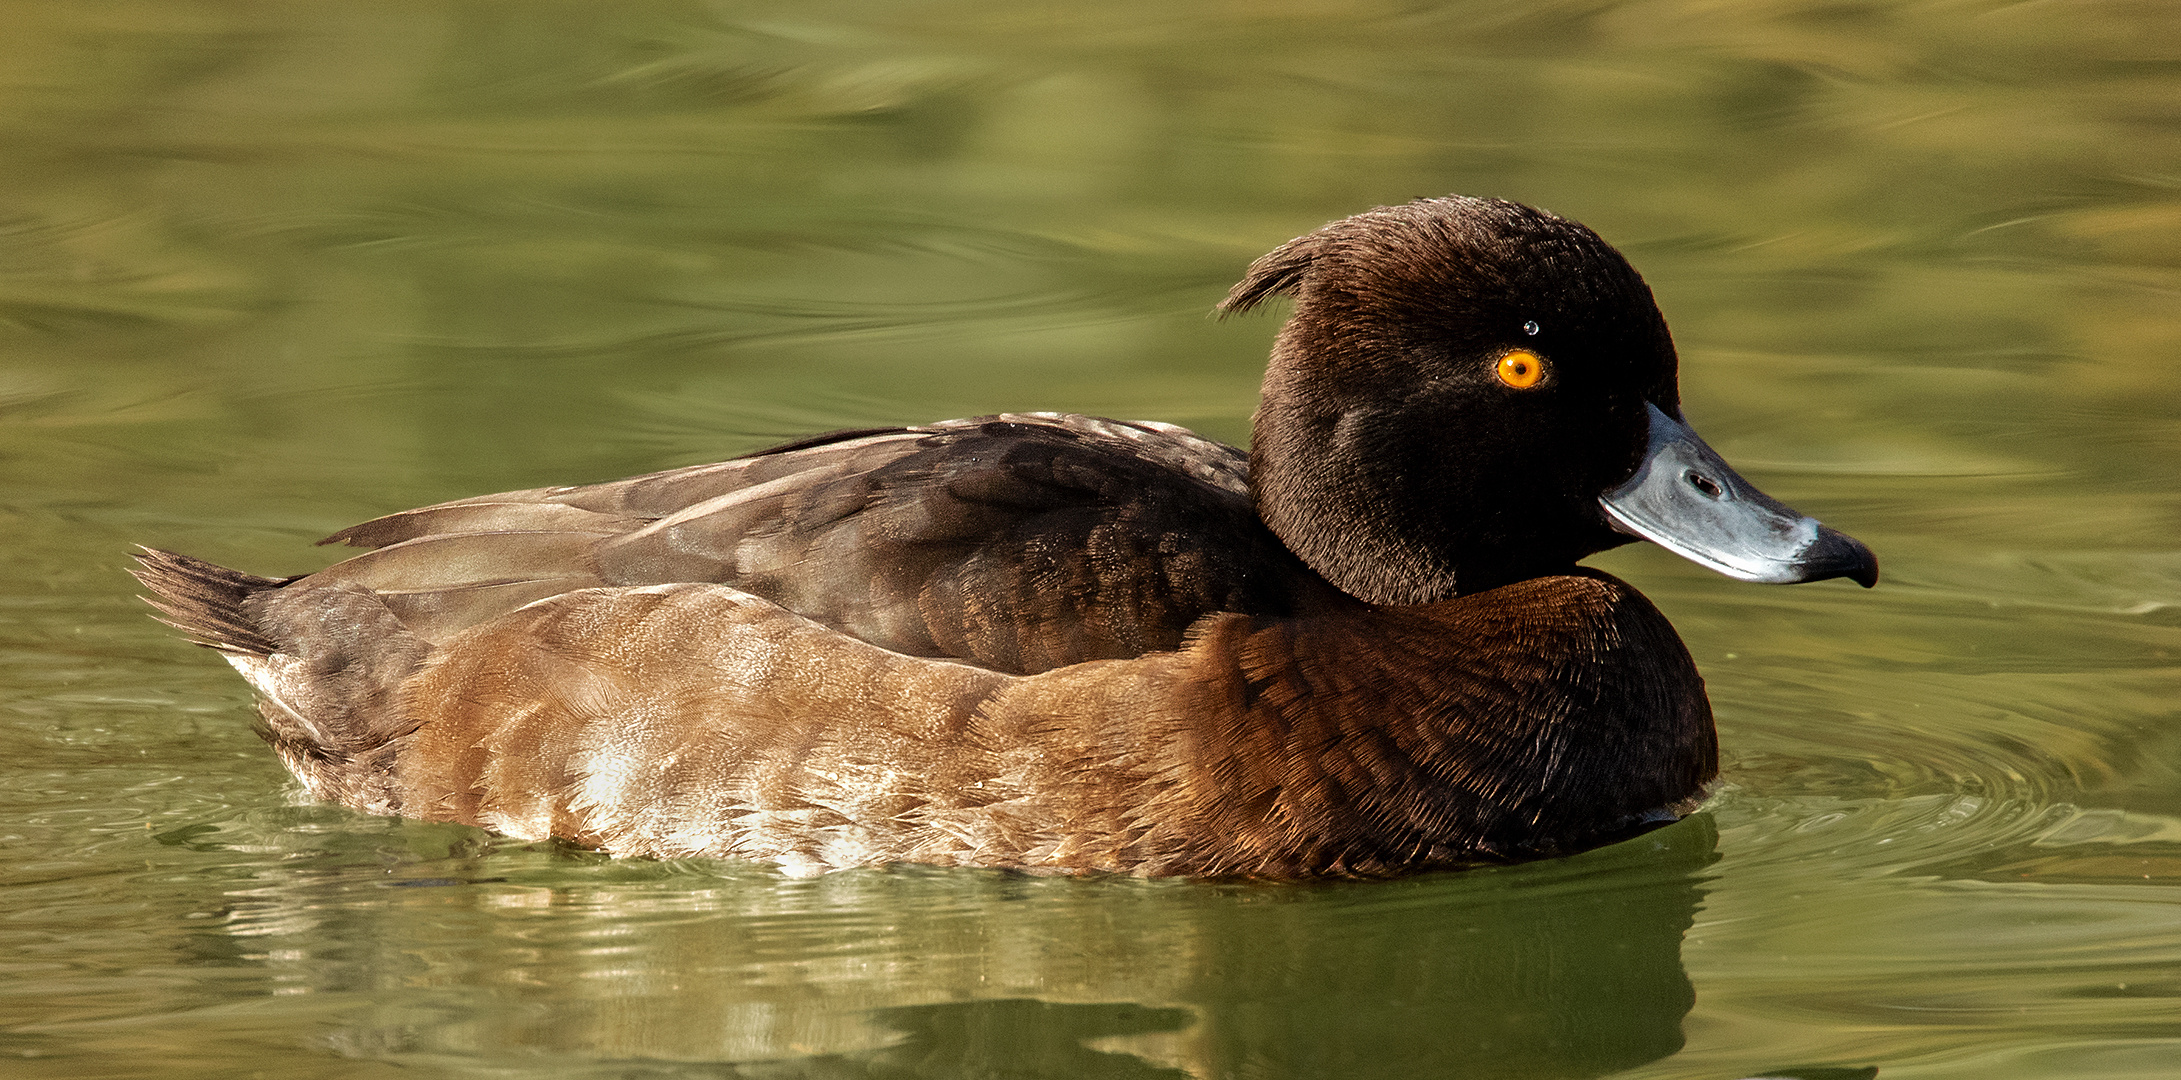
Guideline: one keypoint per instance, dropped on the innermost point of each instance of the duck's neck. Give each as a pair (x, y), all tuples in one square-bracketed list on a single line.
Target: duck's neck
[(1372, 508), (1331, 515)]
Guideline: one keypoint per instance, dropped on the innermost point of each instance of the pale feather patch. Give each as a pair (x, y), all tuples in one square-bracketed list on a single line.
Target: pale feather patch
[(535, 825), (271, 677)]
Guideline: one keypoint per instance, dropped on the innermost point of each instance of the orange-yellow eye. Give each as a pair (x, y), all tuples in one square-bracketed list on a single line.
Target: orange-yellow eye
[(1521, 369)]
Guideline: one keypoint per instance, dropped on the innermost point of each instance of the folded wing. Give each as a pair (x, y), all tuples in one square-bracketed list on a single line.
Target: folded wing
[(1020, 542)]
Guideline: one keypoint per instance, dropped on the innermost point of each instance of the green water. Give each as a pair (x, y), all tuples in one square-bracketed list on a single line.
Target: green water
[(268, 269)]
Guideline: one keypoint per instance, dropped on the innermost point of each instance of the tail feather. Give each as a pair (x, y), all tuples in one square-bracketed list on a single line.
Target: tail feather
[(206, 601), (327, 660)]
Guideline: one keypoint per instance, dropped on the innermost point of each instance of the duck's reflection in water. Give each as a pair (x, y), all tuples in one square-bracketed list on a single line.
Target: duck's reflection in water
[(1578, 977), (1569, 968)]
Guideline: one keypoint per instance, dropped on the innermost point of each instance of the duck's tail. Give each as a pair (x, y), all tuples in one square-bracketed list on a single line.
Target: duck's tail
[(326, 663), (206, 601)]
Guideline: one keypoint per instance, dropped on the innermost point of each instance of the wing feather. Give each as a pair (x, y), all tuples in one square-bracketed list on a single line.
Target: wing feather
[(1018, 542)]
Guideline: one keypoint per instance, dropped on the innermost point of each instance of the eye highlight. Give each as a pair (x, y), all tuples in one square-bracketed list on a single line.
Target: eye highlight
[(1521, 369)]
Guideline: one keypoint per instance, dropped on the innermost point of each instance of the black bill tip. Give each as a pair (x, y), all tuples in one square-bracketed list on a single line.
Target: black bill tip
[(1836, 554)]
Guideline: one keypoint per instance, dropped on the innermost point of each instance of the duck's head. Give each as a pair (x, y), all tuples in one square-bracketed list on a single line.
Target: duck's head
[(1472, 392)]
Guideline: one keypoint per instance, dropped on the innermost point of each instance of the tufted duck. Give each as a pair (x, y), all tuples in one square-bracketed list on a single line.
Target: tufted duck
[(1067, 644)]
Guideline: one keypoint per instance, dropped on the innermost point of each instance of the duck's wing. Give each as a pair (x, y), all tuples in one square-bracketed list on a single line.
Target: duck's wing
[(1019, 542)]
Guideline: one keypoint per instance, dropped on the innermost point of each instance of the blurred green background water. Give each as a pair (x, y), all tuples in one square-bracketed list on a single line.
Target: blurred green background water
[(268, 269)]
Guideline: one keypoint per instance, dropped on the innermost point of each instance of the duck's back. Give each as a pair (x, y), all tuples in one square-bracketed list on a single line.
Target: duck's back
[(1018, 543)]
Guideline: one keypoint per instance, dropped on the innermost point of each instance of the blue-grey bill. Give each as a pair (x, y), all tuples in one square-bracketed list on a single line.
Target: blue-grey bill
[(1685, 499)]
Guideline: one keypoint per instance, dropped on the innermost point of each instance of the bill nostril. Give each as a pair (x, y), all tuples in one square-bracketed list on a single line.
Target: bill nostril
[(1703, 483)]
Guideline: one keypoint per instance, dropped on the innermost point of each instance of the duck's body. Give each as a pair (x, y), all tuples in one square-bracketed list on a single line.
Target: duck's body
[(1068, 644), (561, 662)]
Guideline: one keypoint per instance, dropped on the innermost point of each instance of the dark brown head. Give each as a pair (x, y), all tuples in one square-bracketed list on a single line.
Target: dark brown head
[(1462, 382), (1461, 379)]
